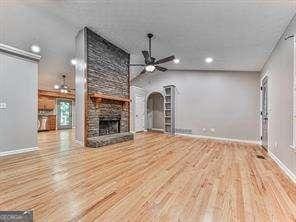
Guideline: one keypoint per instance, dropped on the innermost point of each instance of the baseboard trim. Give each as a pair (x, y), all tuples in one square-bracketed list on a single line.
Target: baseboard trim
[(155, 129), (220, 138), (12, 152), (286, 170), (79, 142)]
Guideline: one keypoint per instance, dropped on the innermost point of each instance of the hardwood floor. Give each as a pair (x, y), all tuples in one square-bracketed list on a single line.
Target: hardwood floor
[(154, 178)]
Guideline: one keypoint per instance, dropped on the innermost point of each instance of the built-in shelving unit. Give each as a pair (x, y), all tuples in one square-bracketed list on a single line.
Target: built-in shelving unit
[(169, 109)]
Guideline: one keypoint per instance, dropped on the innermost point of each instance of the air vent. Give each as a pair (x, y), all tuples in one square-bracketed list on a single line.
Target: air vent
[(184, 131)]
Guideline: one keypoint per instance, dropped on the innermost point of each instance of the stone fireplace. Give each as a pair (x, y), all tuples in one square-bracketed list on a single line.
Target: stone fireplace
[(108, 89), (109, 125)]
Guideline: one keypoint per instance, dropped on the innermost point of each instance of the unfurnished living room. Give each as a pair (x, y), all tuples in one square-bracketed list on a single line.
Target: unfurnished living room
[(160, 110)]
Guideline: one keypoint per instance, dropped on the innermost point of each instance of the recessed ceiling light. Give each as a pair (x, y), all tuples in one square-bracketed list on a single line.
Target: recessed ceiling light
[(73, 62), (176, 61), (209, 60), (35, 48), (150, 68)]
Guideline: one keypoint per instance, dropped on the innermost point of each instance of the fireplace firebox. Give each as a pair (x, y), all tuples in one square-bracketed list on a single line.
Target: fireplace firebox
[(109, 125)]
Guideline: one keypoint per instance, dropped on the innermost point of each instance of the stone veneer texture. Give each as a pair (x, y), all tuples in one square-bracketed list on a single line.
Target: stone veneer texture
[(108, 73)]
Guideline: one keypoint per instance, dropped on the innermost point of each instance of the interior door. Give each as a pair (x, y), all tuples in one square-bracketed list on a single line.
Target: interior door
[(139, 114), (64, 112), (264, 112)]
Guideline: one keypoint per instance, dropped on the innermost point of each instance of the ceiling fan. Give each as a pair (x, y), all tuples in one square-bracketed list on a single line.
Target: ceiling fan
[(64, 88), (151, 64)]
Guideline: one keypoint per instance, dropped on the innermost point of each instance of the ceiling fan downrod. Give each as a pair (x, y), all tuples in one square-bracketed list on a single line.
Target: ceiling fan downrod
[(150, 35)]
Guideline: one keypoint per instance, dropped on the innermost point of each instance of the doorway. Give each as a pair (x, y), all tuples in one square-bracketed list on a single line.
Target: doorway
[(264, 112), (155, 112), (64, 112)]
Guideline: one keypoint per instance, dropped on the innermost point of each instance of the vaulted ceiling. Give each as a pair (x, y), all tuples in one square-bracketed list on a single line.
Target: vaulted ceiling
[(238, 34)]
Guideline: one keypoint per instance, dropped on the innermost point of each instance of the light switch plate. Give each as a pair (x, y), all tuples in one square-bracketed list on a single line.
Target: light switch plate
[(3, 106)]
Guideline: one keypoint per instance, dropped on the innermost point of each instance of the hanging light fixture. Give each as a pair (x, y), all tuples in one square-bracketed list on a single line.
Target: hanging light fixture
[(63, 87)]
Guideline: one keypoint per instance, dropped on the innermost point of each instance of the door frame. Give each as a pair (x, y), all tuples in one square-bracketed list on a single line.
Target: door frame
[(135, 113), (266, 75), (136, 91), (71, 113)]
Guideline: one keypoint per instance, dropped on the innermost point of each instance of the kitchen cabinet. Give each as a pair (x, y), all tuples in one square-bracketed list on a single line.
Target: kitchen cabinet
[(46, 103), (51, 122)]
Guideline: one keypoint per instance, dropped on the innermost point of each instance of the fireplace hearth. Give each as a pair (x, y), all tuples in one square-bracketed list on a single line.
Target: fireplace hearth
[(109, 125)]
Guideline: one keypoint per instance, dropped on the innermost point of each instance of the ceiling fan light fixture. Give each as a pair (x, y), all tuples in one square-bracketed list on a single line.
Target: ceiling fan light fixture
[(176, 61), (35, 48), (150, 68)]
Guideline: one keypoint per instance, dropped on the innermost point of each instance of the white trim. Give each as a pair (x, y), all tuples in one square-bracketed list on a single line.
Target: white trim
[(19, 52), (266, 74), (161, 92), (12, 152), (294, 95), (79, 142), (293, 148), (283, 167), (155, 129), (220, 138)]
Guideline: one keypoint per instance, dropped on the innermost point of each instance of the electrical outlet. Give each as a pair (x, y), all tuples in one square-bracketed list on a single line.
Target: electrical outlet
[(276, 144), (204, 129), (3, 105), (213, 130)]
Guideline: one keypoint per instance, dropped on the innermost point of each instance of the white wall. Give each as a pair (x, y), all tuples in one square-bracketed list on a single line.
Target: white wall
[(225, 101), (280, 69), (18, 89), (23, 25), (80, 72)]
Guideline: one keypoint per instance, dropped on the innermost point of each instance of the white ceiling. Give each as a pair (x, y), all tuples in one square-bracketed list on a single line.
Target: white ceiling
[(238, 34)]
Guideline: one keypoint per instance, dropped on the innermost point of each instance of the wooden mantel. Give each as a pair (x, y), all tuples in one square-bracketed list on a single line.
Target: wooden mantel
[(99, 96)]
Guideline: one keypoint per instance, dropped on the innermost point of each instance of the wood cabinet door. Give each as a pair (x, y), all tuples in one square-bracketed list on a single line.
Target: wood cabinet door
[(50, 104), (51, 122), (41, 104), (46, 103)]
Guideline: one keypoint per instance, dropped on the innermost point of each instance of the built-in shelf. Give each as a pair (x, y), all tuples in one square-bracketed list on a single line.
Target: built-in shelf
[(100, 96), (169, 108)]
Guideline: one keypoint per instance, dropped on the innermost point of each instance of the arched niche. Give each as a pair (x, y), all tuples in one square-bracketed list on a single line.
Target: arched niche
[(155, 111)]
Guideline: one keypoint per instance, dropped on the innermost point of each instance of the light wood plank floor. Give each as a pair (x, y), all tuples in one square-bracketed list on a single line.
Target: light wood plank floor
[(154, 178)]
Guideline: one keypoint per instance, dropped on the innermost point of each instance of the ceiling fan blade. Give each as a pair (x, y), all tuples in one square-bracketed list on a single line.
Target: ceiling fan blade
[(162, 69), (143, 71), (146, 55), (167, 59), (140, 74), (137, 65)]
